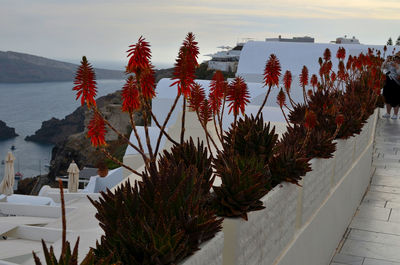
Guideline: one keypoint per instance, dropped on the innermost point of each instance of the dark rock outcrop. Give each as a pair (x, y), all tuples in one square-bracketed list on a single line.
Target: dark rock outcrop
[(6, 132), (76, 146), (54, 130), (22, 68)]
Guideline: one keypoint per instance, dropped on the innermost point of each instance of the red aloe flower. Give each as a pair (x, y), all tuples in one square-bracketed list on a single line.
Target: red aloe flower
[(349, 62), (281, 98), (205, 112), (328, 67), (304, 76), (287, 80), (341, 53), (309, 93), (341, 71), (197, 97), (185, 65), (85, 83), (310, 119), (218, 87), (237, 95), (147, 83), (333, 77), (130, 95), (314, 80), (272, 71), (327, 54), (97, 130), (140, 56), (358, 62), (339, 120)]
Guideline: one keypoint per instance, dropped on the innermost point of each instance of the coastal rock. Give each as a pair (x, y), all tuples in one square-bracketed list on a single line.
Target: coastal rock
[(6, 132), (54, 130), (76, 146)]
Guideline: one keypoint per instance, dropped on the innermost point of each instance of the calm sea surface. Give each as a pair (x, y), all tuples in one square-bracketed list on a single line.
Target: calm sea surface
[(25, 106)]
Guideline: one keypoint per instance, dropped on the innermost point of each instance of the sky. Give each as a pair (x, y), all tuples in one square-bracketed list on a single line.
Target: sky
[(103, 30)]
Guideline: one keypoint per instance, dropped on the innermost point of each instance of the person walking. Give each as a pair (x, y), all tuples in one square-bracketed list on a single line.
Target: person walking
[(391, 90)]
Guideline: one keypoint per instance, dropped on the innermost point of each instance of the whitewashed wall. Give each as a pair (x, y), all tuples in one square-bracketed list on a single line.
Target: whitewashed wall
[(304, 225)]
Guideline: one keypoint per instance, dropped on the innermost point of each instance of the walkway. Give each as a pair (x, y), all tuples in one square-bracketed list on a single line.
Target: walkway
[(373, 237)]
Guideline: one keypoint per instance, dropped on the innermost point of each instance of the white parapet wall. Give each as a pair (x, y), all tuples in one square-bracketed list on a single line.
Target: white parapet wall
[(210, 252), (301, 225), (304, 225)]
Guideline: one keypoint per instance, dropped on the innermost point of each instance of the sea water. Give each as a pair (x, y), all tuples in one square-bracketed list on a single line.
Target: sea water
[(25, 106)]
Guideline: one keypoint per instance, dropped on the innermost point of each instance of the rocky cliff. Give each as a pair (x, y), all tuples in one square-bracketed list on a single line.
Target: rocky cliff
[(73, 144), (6, 132), (54, 130), (22, 68)]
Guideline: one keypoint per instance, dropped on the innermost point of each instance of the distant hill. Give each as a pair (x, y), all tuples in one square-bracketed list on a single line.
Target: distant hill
[(23, 68)]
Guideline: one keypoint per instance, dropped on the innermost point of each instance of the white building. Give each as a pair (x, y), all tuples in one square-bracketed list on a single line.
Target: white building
[(306, 39), (226, 60), (345, 40), (292, 56)]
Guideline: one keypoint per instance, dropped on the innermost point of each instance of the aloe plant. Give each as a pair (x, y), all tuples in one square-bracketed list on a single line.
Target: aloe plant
[(242, 165), (168, 219), (288, 164)]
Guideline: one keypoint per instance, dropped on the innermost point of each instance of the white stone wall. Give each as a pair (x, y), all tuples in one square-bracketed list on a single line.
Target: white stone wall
[(210, 252), (303, 225), (343, 156), (316, 186), (260, 239)]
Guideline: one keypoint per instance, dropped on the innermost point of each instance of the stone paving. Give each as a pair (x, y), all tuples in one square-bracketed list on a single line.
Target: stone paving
[(373, 237)]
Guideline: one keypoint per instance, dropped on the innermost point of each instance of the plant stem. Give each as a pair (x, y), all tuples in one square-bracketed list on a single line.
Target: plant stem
[(335, 133), (110, 156), (64, 222), (135, 131), (159, 126), (165, 122), (204, 126), (284, 115), (183, 120), (304, 95), (305, 141), (146, 131), (291, 100), (265, 101), (222, 118), (216, 129)]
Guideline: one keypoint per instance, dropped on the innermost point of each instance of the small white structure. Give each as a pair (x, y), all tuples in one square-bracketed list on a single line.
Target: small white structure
[(7, 184), (73, 177)]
